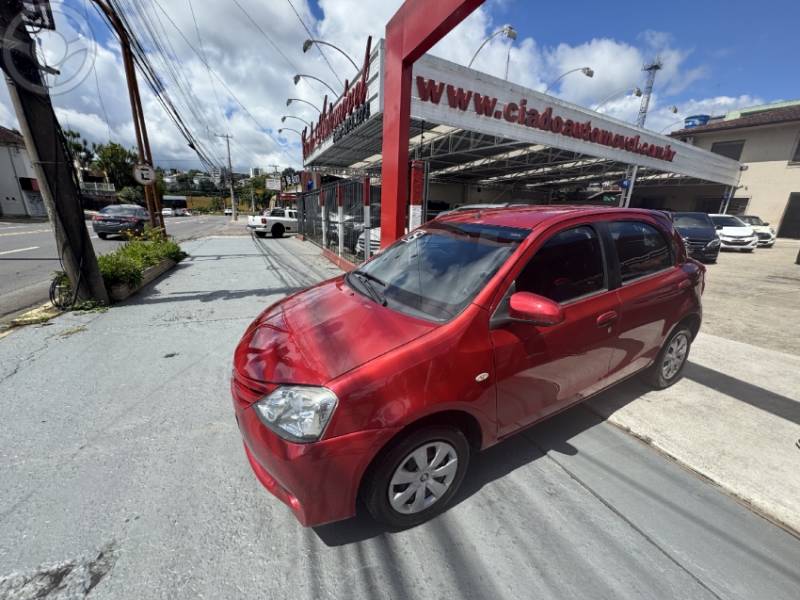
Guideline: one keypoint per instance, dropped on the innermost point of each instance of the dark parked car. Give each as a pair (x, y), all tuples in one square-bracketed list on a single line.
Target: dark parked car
[(119, 219), (699, 235)]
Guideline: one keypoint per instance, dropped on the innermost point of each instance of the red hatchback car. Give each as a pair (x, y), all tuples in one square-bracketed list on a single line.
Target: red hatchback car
[(379, 384)]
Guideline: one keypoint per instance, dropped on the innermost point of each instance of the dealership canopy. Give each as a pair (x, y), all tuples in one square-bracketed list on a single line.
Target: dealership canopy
[(472, 127)]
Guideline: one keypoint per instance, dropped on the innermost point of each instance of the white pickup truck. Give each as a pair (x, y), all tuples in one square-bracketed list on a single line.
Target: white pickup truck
[(275, 221)]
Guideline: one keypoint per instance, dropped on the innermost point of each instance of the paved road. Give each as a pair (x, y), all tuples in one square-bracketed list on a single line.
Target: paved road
[(28, 256), (131, 475)]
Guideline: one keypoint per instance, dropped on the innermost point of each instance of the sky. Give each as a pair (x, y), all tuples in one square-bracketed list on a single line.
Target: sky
[(229, 63)]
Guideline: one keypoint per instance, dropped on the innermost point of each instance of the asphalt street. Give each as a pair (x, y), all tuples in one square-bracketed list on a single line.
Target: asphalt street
[(28, 256), (124, 474)]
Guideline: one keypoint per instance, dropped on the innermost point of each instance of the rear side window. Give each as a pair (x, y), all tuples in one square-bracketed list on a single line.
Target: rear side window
[(276, 212), (640, 247), (568, 266)]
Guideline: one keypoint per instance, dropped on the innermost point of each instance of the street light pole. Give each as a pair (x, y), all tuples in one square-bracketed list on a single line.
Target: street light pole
[(506, 30), (300, 76), (588, 71), (308, 43), (315, 107), (637, 92), (227, 136)]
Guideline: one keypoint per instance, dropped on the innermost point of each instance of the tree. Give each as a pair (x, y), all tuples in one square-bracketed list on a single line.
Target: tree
[(79, 148), (117, 162), (131, 194)]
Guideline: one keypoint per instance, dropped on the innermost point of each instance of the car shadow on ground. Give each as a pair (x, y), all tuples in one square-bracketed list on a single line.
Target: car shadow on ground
[(526, 447)]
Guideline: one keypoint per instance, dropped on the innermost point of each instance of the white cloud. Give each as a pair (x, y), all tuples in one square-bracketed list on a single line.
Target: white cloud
[(262, 79)]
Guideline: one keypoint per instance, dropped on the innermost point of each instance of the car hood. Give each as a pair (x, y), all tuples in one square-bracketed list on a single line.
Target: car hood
[(736, 231), (761, 228), (697, 233), (319, 334)]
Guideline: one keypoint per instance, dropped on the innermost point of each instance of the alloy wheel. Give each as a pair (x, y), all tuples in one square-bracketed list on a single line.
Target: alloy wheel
[(675, 356), (423, 477)]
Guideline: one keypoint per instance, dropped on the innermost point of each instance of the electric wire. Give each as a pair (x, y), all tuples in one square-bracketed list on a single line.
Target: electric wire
[(311, 35)]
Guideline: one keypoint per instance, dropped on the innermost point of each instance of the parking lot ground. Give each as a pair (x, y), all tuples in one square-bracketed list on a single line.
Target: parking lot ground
[(753, 298), (123, 470)]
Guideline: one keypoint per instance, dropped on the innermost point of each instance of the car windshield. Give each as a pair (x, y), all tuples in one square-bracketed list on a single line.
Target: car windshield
[(691, 220), (122, 210), (752, 220), (436, 271), (727, 221)]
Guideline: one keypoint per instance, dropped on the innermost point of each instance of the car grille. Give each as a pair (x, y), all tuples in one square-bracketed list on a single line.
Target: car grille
[(697, 244), (763, 235), (738, 241)]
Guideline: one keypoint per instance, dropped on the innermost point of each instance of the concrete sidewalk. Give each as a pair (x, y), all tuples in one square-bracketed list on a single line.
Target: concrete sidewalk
[(123, 470)]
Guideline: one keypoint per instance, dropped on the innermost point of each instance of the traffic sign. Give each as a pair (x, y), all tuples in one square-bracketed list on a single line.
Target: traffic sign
[(144, 174)]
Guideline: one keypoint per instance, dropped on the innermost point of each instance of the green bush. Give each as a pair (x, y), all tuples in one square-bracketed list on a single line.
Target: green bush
[(127, 264)]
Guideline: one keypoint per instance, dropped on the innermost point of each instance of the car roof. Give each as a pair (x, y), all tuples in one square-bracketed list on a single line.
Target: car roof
[(530, 216)]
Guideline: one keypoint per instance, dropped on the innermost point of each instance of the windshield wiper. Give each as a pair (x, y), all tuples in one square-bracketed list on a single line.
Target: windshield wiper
[(370, 276), (364, 280)]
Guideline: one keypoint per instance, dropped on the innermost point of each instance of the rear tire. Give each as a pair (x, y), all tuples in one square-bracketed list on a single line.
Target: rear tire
[(277, 230), (261, 234), (419, 492), (670, 362), (102, 236)]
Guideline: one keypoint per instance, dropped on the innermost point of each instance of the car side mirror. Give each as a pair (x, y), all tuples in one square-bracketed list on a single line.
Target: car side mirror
[(534, 309), (765, 223), (717, 227)]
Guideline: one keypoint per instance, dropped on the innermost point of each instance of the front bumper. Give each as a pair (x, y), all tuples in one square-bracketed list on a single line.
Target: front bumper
[(318, 481), (114, 227), (730, 244)]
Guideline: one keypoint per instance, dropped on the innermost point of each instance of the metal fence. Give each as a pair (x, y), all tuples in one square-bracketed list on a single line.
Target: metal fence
[(320, 218)]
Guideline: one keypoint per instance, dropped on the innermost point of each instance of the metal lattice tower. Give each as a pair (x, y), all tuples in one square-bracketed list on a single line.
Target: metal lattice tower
[(651, 70)]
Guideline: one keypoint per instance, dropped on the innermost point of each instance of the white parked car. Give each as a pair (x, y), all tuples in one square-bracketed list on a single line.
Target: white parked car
[(227, 211), (734, 234), (374, 242), (275, 221), (766, 234), (167, 212), (181, 212)]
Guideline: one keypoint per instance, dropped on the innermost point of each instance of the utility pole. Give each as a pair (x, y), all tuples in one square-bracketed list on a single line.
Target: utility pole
[(227, 136), (651, 70), (151, 196), (44, 141)]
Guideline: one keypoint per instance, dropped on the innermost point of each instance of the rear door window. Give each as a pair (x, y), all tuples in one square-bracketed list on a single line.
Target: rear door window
[(641, 249), (569, 265)]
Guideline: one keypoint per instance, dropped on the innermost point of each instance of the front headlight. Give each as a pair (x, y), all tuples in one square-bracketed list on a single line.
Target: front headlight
[(297, 413), (713, 243)]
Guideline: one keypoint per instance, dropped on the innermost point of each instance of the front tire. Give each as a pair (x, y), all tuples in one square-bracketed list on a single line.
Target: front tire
[(670, 362), (102, 236), (418, 477)]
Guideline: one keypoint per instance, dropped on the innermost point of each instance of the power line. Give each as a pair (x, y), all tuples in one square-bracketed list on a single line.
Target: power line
[(311, 35), (261, 127), (268, 38), (205, 56), (94, 69)]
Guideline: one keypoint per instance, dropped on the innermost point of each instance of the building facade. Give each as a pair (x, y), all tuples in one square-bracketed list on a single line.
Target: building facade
[(19, 190), (766, 141)]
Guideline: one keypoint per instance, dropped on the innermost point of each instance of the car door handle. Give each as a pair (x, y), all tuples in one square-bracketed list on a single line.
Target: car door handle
[(606, 318)]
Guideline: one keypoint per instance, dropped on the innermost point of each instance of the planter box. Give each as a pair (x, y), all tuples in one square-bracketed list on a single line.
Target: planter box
[(119, 292)]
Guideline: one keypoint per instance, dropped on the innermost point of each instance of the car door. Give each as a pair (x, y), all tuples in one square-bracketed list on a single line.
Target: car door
[(540, 370), (651, 293)]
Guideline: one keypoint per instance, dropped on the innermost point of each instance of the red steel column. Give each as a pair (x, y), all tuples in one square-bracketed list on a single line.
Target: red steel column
[(412, 31)]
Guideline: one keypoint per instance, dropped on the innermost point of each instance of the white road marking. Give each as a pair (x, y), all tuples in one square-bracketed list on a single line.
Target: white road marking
[(19, 250), (26, 232)]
